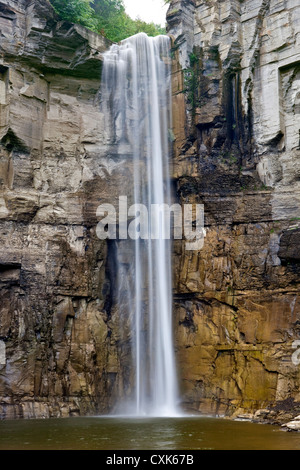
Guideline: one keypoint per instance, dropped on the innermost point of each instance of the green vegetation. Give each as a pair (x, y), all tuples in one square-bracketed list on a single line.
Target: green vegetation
[(191, 80), (76, 11), (106, 17)]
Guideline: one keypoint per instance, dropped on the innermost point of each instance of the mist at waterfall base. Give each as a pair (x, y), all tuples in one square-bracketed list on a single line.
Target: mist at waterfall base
[(136, 100)]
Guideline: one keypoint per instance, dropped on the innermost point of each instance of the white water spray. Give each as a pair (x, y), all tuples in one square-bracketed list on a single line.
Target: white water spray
[(136, 90)]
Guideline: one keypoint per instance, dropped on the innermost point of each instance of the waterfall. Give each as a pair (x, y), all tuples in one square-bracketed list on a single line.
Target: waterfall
[(136, 96)]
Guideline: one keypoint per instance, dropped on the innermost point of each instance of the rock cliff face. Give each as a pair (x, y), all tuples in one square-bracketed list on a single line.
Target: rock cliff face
[(57, 355), (236, 90)]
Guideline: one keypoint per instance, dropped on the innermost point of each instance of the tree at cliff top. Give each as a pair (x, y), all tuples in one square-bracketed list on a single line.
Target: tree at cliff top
[(76, 11), (107, 17), (114, 22)]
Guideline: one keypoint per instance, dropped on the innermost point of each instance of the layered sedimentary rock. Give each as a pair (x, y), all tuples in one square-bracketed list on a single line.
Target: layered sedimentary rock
[(236, 91), (57, 354), (236, 123)]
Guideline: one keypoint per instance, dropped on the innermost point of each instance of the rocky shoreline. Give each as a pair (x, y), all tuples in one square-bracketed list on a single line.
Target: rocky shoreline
[(285, 414)]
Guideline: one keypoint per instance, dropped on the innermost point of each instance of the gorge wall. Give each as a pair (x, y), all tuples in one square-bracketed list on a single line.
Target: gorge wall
[(236, 90), (236, 99), (57, 354)]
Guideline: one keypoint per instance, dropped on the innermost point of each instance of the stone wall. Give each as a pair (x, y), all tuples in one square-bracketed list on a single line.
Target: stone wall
[(236, 124)]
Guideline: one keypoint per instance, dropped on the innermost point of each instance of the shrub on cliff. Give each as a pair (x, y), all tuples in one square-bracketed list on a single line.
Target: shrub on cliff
[(107, 17), (76, 11)]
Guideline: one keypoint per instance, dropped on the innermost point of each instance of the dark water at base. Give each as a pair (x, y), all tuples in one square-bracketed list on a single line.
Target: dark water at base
[(143, 434)]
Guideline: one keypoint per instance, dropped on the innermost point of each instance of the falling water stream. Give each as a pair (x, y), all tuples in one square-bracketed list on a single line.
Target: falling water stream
[(136, 84), (136, 100)]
